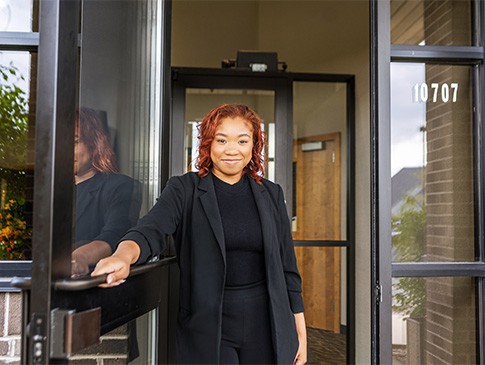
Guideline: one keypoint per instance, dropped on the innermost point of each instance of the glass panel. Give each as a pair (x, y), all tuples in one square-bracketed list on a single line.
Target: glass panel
[(431, 22), (432, 163), (319, 161), (198, 102), (18, 15), (117, 130), (434, 320), (17, 124), (323, 283), (127, 344), (320, 214)]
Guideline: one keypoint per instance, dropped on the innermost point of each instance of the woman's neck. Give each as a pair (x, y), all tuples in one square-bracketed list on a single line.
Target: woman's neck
[(84, 176)]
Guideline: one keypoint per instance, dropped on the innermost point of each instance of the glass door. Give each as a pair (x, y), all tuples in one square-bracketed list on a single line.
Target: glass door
[(100, 105), (321, 162), (428, 182)]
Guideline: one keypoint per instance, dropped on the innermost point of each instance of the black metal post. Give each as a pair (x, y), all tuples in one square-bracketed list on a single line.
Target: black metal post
[(53, 191)]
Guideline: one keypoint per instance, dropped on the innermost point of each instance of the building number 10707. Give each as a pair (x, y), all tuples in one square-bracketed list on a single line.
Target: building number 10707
[(434, 92)]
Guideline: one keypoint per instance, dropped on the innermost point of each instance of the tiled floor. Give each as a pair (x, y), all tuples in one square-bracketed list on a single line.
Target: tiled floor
[(325, 347)]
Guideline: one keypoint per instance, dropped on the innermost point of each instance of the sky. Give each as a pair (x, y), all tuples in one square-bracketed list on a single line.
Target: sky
[(15, 16), (407, 116)]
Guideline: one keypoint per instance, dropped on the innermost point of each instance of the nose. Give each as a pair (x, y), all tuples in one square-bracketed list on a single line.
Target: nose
[(231, 148)]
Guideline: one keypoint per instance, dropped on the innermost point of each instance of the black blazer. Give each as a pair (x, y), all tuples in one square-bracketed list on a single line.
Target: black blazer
[(188, 210), (107, 205)]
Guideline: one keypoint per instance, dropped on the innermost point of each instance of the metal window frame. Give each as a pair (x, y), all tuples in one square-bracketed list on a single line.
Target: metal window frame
[(167, 319), (382, 54), (19, 41), (380, 222), (16, 42), (56, 104), (440, 54)]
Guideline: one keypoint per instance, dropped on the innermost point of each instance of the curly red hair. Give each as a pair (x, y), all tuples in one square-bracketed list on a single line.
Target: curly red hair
[(207, 130)]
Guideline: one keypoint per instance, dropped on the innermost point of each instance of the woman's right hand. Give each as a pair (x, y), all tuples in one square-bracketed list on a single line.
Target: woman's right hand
[(117, 266)]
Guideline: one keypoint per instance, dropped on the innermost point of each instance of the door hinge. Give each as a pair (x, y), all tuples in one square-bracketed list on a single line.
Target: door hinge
[(333, 157)]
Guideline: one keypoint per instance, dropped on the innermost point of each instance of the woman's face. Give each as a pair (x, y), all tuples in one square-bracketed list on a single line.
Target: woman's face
[(231, 149), (82, 158)]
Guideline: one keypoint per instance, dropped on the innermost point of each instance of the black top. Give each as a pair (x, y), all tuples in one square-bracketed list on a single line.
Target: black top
[(107, 205), (187, 209), (242, 232)]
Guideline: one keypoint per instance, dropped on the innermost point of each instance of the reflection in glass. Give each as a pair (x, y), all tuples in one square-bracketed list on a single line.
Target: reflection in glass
[(16, 155), (18, 16), (127, 344), (120, 82), (107, 201), (431, 22), (200, 101), (434, 320), (431, 163)]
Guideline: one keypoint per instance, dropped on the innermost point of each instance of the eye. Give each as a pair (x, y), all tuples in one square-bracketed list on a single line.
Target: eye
[(221, 140), (243, 141)]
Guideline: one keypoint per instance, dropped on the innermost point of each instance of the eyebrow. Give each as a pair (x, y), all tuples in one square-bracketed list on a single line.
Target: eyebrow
[(241, 135)]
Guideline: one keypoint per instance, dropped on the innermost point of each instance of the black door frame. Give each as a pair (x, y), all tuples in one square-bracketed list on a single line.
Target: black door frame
[(50, 286), (383, 269), (282, 84)]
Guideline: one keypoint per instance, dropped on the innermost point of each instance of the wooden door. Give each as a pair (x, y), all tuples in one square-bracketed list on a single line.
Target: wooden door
[(317, 205)]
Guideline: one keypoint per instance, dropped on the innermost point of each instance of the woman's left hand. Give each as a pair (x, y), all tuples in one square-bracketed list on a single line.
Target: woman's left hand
[(301, 355)]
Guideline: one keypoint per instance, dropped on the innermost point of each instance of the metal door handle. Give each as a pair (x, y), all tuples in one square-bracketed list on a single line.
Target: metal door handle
[(87, 282)]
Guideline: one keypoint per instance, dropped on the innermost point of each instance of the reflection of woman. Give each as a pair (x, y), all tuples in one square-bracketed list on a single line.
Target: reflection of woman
[(240, 291), (104, 197)]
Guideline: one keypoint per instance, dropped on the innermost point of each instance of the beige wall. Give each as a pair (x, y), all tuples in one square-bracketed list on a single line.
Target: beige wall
[(311, 36), (206, 32)]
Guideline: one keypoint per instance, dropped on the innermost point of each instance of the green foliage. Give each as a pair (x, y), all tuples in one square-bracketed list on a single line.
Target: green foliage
[(409, 227), (408, 241), (410, 297), (13, 131), (15, 235)]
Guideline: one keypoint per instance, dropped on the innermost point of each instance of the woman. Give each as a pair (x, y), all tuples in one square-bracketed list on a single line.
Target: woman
[(106, 206), (240, 290)]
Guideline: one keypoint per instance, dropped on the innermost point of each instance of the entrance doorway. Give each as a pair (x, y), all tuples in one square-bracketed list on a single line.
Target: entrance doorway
[(308, 120)]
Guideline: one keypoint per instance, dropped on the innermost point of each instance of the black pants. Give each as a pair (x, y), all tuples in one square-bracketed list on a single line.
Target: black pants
[(246, 326)]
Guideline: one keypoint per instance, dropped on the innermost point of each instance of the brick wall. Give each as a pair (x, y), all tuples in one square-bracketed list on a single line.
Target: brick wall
[(113, 348), (10, 327), (450, 302), (450, 307)]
